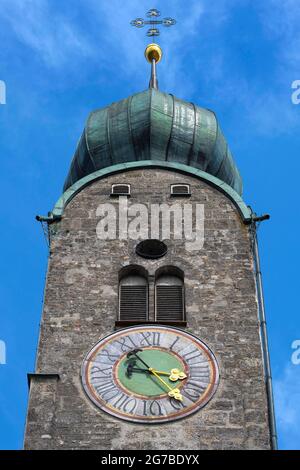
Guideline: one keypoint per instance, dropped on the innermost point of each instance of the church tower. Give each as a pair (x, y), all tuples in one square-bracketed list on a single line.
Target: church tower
[(153, 333)]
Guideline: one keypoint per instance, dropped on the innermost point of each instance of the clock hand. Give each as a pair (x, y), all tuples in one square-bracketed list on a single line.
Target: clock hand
[(176, 374), (134, 353), (173, 392), (146, 371), (173, 376), (131, 369)]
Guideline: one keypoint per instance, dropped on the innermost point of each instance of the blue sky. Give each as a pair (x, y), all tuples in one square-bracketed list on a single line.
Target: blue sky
[(59, 60)]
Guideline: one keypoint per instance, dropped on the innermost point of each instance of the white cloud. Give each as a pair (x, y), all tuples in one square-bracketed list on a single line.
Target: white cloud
[(125, 44), (38, 25), (120, 45), (281, 21), (287, 401), (64, 40), (263, 103), (274, 110)]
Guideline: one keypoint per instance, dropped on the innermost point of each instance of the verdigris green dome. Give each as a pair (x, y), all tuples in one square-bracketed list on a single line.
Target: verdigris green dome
[(154, 126)]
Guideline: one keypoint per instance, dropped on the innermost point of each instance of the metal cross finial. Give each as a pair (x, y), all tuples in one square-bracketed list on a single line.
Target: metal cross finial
[(154, 23)]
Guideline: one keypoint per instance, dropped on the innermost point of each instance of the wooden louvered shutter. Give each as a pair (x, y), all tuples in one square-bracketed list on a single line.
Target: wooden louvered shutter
[(169, 299), (169, 303), (133, 299)]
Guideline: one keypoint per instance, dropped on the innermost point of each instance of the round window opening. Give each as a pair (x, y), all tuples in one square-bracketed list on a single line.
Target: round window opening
[(151, 249)]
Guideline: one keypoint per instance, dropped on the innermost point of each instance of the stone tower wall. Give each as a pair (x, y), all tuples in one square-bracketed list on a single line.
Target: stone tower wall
[(81, 305)]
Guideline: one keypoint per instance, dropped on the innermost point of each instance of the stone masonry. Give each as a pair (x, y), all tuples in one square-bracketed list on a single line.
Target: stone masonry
[(81, 305)]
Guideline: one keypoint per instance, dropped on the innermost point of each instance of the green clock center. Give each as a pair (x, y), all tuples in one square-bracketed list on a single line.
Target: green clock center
[(141, 382)]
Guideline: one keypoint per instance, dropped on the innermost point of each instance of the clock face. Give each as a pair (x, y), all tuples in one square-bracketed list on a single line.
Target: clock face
[(150, 374)]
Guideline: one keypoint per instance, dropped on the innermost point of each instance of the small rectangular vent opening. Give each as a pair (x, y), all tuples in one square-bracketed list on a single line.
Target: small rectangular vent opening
[(120, 190), (180, 190)]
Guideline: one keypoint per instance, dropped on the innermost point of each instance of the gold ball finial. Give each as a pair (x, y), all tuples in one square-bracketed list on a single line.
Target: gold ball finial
[(153, 51)]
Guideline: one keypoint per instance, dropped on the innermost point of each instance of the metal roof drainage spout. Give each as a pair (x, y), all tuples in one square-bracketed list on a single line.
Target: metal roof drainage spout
[(153, 54)]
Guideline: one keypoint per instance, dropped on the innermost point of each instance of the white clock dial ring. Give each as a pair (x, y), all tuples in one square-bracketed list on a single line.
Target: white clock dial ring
[(124, 387)]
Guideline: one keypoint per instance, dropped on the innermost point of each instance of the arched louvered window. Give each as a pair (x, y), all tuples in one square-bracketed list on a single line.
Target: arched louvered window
[(169, 295), (133, 295)]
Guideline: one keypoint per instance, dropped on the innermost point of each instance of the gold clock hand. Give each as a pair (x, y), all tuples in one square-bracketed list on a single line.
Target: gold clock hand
[(173, 392), (154, 372), (174, 375), (160, 372)]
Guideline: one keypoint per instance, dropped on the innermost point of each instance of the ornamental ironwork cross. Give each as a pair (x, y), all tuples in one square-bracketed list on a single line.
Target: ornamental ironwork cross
[(153, 30)]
